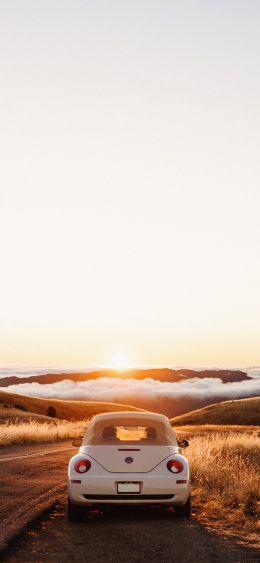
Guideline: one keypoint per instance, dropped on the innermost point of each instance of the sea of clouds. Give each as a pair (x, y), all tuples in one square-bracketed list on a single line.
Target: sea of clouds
[(147, 392)]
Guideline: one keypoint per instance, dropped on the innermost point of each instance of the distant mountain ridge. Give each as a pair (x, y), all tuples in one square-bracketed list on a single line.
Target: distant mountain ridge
[(160, 374)]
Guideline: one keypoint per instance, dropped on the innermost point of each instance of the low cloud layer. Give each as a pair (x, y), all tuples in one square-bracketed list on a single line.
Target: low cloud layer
[(170, 398), (27, 372)]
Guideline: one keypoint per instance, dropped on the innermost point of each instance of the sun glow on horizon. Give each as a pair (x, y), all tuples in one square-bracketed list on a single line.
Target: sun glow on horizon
[(120, 362)]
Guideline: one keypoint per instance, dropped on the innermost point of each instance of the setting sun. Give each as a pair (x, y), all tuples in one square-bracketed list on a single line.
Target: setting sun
[(120, 361)]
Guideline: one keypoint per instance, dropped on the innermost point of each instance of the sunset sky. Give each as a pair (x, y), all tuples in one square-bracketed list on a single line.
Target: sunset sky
[(130, 182)]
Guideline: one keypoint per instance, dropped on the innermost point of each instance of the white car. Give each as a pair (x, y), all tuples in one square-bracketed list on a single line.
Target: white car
[(129, 458)]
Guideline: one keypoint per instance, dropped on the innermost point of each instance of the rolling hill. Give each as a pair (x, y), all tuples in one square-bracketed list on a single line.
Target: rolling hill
[(13, 406), (238, 412)]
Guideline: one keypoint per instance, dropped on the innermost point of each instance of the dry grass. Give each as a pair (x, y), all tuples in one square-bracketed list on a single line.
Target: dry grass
[(10, 414), (35, 432), (189, 431), (226, 481), (240, 411)]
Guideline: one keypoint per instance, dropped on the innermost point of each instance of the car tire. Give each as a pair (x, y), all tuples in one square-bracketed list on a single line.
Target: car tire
[(75, 512), (184, 510)]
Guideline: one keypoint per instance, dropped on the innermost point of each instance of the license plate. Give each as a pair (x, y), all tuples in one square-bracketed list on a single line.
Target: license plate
[(129, 487)]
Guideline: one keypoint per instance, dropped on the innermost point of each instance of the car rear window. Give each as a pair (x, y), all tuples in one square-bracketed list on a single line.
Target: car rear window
[(129, 433)]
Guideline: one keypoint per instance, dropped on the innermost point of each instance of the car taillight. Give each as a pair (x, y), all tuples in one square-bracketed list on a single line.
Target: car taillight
[(175, 466), (82, 466)]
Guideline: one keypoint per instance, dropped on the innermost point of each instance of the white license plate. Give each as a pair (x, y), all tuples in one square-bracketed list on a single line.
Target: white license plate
[(128, 487)]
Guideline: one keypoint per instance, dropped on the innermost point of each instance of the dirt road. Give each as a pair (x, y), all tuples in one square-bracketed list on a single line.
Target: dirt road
[(123, 536), (30, 478)]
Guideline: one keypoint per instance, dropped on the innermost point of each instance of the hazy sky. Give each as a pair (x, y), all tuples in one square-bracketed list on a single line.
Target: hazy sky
[(129, 182)]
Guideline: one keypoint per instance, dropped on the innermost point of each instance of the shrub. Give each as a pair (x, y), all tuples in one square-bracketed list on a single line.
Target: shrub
[(51, 411)]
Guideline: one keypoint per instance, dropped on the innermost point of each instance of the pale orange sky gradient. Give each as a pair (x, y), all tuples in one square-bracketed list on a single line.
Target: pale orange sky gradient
[(129, 183)]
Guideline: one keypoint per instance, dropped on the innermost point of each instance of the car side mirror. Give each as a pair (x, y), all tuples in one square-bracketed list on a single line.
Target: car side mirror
[(183, 443), (77, 442)]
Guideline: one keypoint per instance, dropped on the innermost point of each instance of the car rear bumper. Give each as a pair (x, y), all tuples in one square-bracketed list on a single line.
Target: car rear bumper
[(160, 490)]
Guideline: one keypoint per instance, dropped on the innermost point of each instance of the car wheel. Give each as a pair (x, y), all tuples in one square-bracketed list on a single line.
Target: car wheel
[(75, 512), (184, 510)]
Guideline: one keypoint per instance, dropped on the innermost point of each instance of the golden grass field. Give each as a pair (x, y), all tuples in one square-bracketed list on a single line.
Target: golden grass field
[(33, 431), (189, 431), (226, 482), (224, 455), (26, 420)]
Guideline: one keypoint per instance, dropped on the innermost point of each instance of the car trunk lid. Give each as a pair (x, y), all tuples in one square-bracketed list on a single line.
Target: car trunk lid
[(129, 459)]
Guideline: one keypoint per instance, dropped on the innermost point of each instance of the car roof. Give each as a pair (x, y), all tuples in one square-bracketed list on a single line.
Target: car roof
[(140, 415), (160, 422)]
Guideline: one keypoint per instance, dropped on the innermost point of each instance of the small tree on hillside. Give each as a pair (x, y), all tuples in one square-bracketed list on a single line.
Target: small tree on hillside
[(51, 411)]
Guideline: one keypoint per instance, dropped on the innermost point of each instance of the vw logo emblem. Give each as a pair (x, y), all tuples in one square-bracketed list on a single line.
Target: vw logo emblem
[(129, 460)]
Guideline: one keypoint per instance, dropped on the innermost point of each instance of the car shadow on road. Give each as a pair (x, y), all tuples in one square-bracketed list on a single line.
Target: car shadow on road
[(123, 513)]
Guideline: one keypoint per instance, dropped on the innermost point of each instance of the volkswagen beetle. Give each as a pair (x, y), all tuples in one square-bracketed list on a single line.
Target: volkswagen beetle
[(129, 458)]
